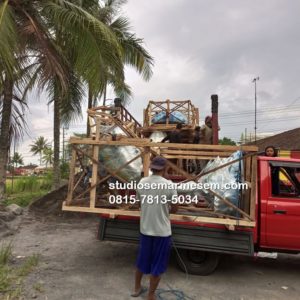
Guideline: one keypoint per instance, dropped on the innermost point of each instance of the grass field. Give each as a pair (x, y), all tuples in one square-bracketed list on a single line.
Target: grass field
[(22, 190)]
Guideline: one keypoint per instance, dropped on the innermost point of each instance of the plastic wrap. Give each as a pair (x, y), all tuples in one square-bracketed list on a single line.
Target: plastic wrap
[(113, 157), (157, 136), (228, 176)]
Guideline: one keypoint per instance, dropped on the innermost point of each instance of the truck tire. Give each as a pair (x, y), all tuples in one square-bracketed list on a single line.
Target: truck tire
[(197, 262)]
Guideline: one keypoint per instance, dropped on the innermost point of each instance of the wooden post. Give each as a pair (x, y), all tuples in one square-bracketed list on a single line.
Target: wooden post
[(149, 114), (168, 112), (253, 188), (215, 122), (71, 178), (95, 167), (196, 110), (146, 161), (189, 111)]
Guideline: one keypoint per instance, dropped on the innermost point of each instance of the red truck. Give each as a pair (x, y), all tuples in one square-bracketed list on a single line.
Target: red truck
[(200, 245)]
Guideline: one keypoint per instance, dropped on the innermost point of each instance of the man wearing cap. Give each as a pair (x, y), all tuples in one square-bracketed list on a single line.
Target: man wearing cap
[(155, 227)]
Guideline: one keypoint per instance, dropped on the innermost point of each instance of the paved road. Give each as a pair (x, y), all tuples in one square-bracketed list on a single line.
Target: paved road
[(74, 265)]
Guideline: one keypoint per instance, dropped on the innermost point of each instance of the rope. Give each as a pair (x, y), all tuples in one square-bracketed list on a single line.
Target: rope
[(180, 295)]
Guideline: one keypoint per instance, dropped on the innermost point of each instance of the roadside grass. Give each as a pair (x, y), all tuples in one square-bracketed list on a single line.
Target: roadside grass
[(12, 276), (28, 184), (23, 190), (25, 198)]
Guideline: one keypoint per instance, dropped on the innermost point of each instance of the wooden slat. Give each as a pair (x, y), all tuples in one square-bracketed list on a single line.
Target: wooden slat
[(146, 161), (247, 193), (253, 188), (196, 219), (229, 203), (95, 167), (138, 142), (187, 156), (71, 177), (191, 152)]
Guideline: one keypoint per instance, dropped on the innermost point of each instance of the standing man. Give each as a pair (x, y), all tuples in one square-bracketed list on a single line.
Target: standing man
[(206, 131), (155, 227), (175, 136)]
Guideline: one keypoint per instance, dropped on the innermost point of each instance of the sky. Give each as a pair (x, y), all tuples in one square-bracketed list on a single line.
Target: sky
[(202, 48)]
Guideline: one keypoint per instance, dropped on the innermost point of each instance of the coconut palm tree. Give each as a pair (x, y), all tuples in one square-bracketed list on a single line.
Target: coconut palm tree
[(48, 156), (133, 53), (39, 31), (39, 146), (17, 159)]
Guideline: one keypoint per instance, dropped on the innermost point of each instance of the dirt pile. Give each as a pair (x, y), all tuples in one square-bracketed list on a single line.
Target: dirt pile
[(50, 203)]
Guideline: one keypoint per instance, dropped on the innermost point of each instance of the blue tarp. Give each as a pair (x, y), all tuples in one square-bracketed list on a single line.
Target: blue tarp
[(175, 117)]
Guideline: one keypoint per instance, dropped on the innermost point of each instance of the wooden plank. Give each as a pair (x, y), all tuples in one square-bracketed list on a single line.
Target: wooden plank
[(229, 203), (138, 142), (174, 167), (71, 177), (253, 188), (187, 156), (95, 167), (168, 112), (222, 166), (247, 193), (175, 217), (79, 180), (114, 172), (146, 161), (191, 152)]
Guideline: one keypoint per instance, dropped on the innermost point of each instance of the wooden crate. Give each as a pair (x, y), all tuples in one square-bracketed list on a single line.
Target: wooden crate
[(90, 200), (185, 107)]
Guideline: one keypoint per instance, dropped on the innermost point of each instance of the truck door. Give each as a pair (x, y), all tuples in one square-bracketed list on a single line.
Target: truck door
[(283, 206)]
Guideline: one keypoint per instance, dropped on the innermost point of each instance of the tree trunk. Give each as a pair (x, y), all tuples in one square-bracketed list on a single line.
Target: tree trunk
[(56, 137), (90, 104), (4, 133), (104, 95)]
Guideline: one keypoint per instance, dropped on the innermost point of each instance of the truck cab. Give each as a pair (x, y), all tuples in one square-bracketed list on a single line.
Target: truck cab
[(278, 212)]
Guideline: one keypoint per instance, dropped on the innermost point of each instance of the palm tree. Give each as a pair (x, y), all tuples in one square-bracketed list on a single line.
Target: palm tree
[(39, 146), (48, 156), (133, 51), (17, 159), (42, 30)]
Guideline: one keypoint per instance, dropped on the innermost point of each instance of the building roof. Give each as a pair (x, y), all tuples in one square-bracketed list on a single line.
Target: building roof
[(30, 167), (287, 140)]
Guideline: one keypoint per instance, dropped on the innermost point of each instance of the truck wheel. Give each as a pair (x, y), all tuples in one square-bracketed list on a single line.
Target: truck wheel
[(197, 262)]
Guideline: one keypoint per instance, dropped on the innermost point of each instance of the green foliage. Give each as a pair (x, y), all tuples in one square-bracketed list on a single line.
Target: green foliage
[(39, 146), (28, 265), (17, 159), (25, 198), (11, 276), (5, 254), (64, 170), (48, 156), (227, 141)]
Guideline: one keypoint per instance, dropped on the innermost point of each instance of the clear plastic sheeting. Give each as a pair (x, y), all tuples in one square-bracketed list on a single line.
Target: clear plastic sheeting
[(157, 136), (224, 182), (113, 157)]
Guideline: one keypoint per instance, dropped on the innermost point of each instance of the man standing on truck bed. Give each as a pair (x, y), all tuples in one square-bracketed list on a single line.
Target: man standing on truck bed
[(155, 227), (175, 136)]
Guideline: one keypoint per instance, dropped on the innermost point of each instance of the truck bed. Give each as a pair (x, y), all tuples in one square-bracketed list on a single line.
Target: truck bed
[(193, 237)]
